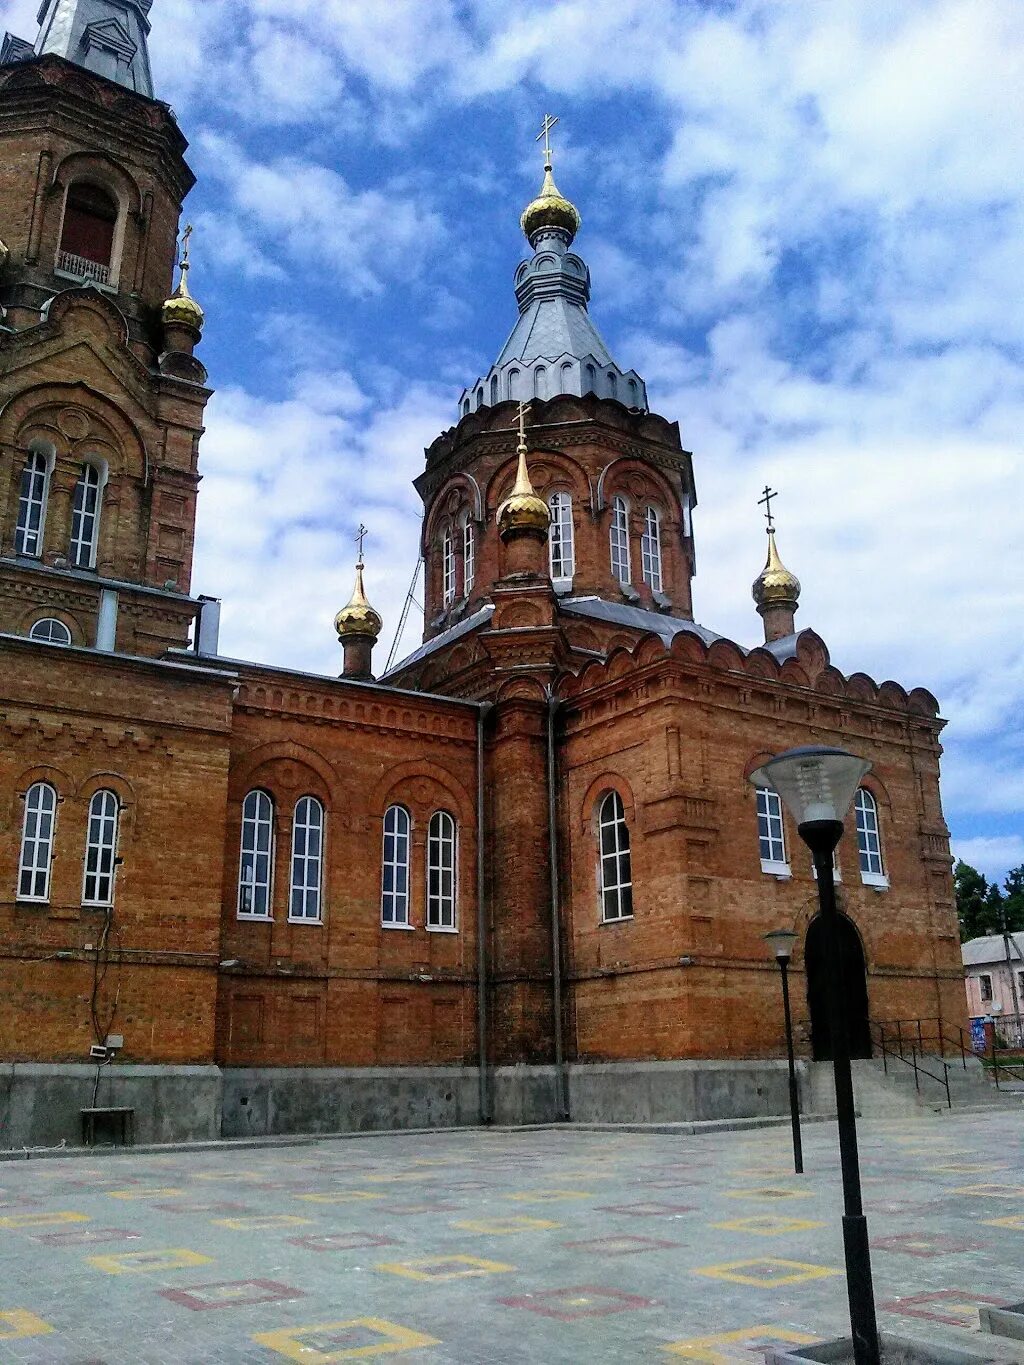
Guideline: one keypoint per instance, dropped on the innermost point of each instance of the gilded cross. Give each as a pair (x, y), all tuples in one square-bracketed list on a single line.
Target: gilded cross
[(360, 536), (545, 132), (521, 415), (769, 493), (184, 263)]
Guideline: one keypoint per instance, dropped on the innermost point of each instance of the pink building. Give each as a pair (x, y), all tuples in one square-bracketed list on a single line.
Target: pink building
[(994, 977)]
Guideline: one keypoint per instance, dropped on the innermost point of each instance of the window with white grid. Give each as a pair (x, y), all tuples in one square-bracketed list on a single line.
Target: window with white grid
[(561, 552), (869, 845), (100, 849), (448, 566), (650, 549), (257, 855), (770, 831), (394, 896), (28, 535), (616, 866), (468, 558), (37, 842), (85, 518), (619, 536), (441, 849), (50, 631), (307, 859)]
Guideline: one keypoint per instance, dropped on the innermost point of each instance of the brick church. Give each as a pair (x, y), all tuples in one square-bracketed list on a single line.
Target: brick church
[(523, 875)]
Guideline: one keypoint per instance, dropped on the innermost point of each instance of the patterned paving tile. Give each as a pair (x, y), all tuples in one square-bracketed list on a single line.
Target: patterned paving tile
[(767, 1193), (765, 1272), (548, 1196), (958, 1307), (21, 1221), (624, 1245), (648, 1208), (768, 1225), (86, 1236), (262, 1222), (149, 1262), (230, 1294), (1015, 1221), (341, 1241), (924, 1244), (504, 1227), (738, 1345), (580, 1301), (436, 1268), (353, 1339), (17, 1323)]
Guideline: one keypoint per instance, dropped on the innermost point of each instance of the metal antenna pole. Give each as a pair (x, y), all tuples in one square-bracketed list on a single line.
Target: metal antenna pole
[(409, 598)]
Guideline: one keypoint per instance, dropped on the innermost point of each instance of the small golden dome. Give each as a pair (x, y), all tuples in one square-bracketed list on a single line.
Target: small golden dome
[(181, 308), (775, 585), (523, 510), (550, 210), (358, 618)]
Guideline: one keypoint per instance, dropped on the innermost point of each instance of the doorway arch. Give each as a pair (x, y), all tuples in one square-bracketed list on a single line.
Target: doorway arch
[(853, 988)]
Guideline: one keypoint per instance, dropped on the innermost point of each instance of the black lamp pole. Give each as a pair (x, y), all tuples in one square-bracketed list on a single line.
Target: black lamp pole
[(781, 941), (821, 837)]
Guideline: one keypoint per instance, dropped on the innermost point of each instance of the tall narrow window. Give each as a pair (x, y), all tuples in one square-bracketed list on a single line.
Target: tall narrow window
[(448, 566), (100, 850), (394, 894), (87, 237), (616, 869), (28, 537), (620, 540), (441, 842), (650, 549), (869, 845), (256, 863), (468, 557), (37, 843), (494, 390), (307, 859), (560, 541), (771, 833), (85, 518)]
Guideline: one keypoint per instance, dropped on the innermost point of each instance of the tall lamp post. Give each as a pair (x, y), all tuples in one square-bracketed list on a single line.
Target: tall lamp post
[(817, 786), (781, 943)]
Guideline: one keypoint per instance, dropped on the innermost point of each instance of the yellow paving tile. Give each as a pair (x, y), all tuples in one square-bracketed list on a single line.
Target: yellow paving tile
[(42, 1220), (168, 1193), (342, 1197), (768, 1225), (549, 1196), (302, 1343), (702, 1348), (149, 1262), (437, 1268), (500, 1227), (18, 1322), (261, 1222), (765, 1273), (1015, 1221)]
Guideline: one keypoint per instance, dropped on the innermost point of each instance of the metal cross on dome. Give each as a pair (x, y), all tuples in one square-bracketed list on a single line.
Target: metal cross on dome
[(360, 536), (769, 493), (521, 417), (545, 132), (184, 262)]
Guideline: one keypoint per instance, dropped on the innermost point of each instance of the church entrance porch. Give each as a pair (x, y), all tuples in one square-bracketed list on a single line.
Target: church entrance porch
[(853, 985)]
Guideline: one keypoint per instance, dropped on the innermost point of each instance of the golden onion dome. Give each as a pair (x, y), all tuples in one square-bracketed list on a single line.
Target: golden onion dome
[(358, 618), (550, 210), (775, 585), (523, 510), (181, 308)]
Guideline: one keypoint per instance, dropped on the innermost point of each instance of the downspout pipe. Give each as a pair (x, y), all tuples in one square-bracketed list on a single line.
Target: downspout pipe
[(561, 1074), (483, 1068)]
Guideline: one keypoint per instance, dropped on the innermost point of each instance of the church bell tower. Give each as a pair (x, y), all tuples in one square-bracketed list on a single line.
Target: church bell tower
[(101, 395)]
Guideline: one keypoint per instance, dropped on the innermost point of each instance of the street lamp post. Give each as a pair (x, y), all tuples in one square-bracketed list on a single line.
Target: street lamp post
[(817, 785), (781, 942)]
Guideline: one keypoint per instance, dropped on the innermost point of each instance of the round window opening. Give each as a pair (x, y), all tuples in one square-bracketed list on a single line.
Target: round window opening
[(50, 631)]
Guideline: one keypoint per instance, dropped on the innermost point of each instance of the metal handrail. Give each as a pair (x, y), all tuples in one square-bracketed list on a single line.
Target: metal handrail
[(914, 1060)]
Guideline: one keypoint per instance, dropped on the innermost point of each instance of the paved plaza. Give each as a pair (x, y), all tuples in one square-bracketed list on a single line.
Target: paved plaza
[(533, 1246)]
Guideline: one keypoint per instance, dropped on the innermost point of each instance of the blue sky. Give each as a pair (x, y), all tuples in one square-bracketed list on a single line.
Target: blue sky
[(804, 224)]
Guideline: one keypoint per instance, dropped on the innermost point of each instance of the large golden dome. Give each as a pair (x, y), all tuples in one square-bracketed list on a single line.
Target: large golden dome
[(358, 618), (523, 510), (550, 210), (775, 584)]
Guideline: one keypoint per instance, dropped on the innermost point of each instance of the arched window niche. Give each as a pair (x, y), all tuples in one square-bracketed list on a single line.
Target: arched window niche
[(88, 238)]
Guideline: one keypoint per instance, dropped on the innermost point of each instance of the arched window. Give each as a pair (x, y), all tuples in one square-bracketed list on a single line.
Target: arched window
[(257, 855), (468, 557), (494, 390), (613, 385), (560, 541), (540, 382), (771, 833), (394, 891), (50, 631), (307, 859), (616, 869), (650, 549), (465, 407), (620, 540), (441, 848), (869, 844), (634, 393), (591, 379), (37, 842), (448, 566), (100, 850), (28, 536), (480, 396), (567, 384), (85, 518), (87, 237)]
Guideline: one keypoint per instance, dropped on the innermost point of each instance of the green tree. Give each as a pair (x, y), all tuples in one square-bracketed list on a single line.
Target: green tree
[(978, 904), (1013, 901)]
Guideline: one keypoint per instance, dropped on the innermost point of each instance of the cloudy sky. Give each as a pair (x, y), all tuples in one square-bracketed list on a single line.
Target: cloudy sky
[(805, 225)]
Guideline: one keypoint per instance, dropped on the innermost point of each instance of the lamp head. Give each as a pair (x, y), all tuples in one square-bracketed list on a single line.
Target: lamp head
[(814, 781), (781, 943)]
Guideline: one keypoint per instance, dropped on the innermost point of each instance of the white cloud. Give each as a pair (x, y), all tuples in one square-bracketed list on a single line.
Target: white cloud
[(992, 856)]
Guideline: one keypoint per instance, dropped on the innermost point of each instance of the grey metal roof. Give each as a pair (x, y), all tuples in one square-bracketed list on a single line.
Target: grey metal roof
[(478, 618), (555, 347), (992, 948), (783, 649), (638, 618), (108, 37)]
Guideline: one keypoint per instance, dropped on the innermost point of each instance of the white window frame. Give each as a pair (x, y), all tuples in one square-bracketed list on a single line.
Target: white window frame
[(395, 904), (47, 639), (837, 874), (468, 557), (85, 517), (869, 840), (248, 880), (613, 846), (306, 868), (771, 834), (442, 840), (100, 865), (618, 539), (561, 539), (650, 549), (36, 472), (447, 567), (36, 855)]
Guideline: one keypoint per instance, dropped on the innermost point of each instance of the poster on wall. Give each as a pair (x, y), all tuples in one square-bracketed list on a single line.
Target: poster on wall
[(978, 1035)]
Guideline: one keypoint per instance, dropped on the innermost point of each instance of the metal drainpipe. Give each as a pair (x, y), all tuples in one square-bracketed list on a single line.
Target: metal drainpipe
[(481, 924), (561, 1078)]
